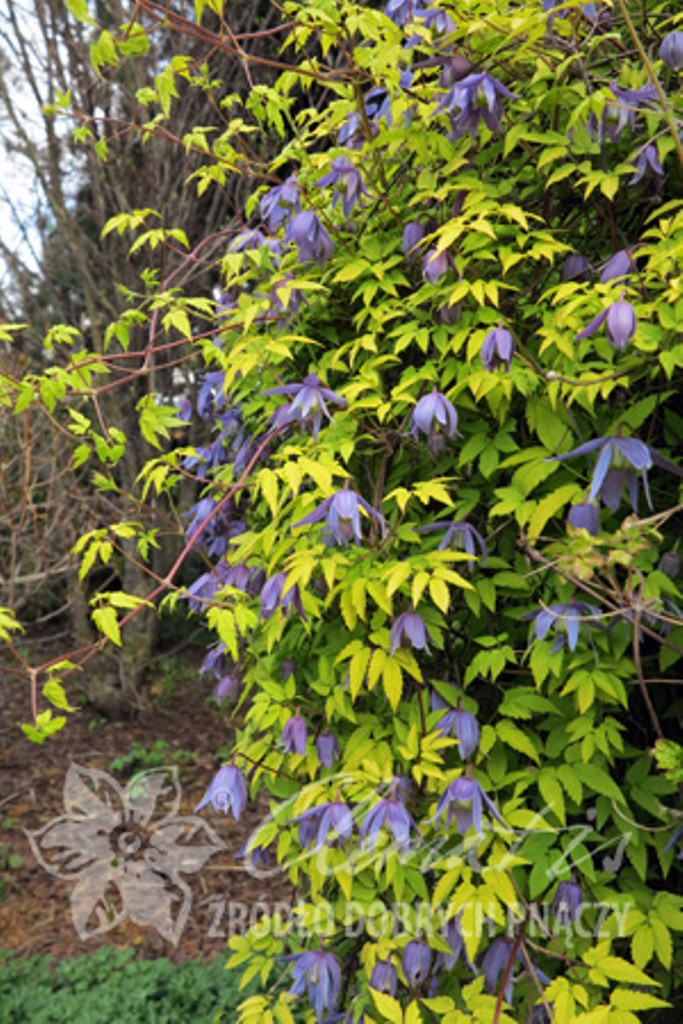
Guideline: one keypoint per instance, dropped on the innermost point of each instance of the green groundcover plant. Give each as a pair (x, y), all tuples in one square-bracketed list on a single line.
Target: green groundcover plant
[(110, 986), (436, 396)]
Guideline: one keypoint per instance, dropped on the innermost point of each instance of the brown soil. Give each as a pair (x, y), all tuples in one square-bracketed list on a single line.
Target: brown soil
[(34, 906)]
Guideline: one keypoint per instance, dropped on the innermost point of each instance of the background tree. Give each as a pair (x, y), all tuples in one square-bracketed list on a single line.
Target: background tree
[(58, 269)]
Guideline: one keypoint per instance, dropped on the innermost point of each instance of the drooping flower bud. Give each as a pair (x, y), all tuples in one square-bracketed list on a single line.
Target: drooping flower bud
[(671, 50)]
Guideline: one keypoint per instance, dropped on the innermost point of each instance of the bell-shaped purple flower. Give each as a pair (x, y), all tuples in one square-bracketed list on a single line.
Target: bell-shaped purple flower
[(475, 97), (279, 203), (568, 901), (384, 977), (621, 114), (417, 962), (565, 620), (413, 233), (440, 22), (350, 186), (228, 686), (620, 324), (494, 964), (620, 461), (647, 160), (617, 266), (227, 791), (435, 416), (459, 536), (252, 238), (285, 297), (452, 933), (342, 514), (402, 12), (465, 727), (498, 349), (390, 814), (317, 974), (671, 50), (305, 229), (327, 747), (316, 823), (409, 630), (272, 597), (466, 800), (294, 735), (309, 403), (435, 265), (576, 268), (585, 516), (258, 858), (215, 661)]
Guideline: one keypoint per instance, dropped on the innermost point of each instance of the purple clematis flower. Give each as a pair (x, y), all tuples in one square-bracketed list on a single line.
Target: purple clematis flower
[(273, 598), (435, 416), (435, 265), (228, 686), (402, 12), (647, 160), (317, 822), (671, 50), (417, 961), (294, 735), (566, 619), (309, 403), (617, 266), (258, 858), (576, 268), (227, 791), (494, 965), (284, 296), (409, 630), (466, 729), (459, 536), (413, 233), (384, 977), (327, 747), (438, 21), (617, 116), (452, 933), (252, 238), (342, 514), (585, 516), (567, 902), (305, 229), (351, 186), (215, 661), (620, 324), (498, 349), (211, 394), (466, 799), (206, 586), (475, 97), (318, 974), (279, 203), (390, 813), (630, 457)]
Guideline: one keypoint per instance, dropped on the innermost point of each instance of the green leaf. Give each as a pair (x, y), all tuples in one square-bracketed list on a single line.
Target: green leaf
[(387, 1006), (55, 693)]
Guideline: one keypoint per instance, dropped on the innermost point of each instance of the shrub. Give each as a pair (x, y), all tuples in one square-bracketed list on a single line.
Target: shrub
[(439, 394)]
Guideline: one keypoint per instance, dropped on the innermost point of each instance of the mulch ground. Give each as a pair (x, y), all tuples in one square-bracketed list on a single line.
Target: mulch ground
[(34, 906)]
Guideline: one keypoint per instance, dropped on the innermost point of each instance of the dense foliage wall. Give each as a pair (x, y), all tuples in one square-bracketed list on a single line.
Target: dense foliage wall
[(437, 496)]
